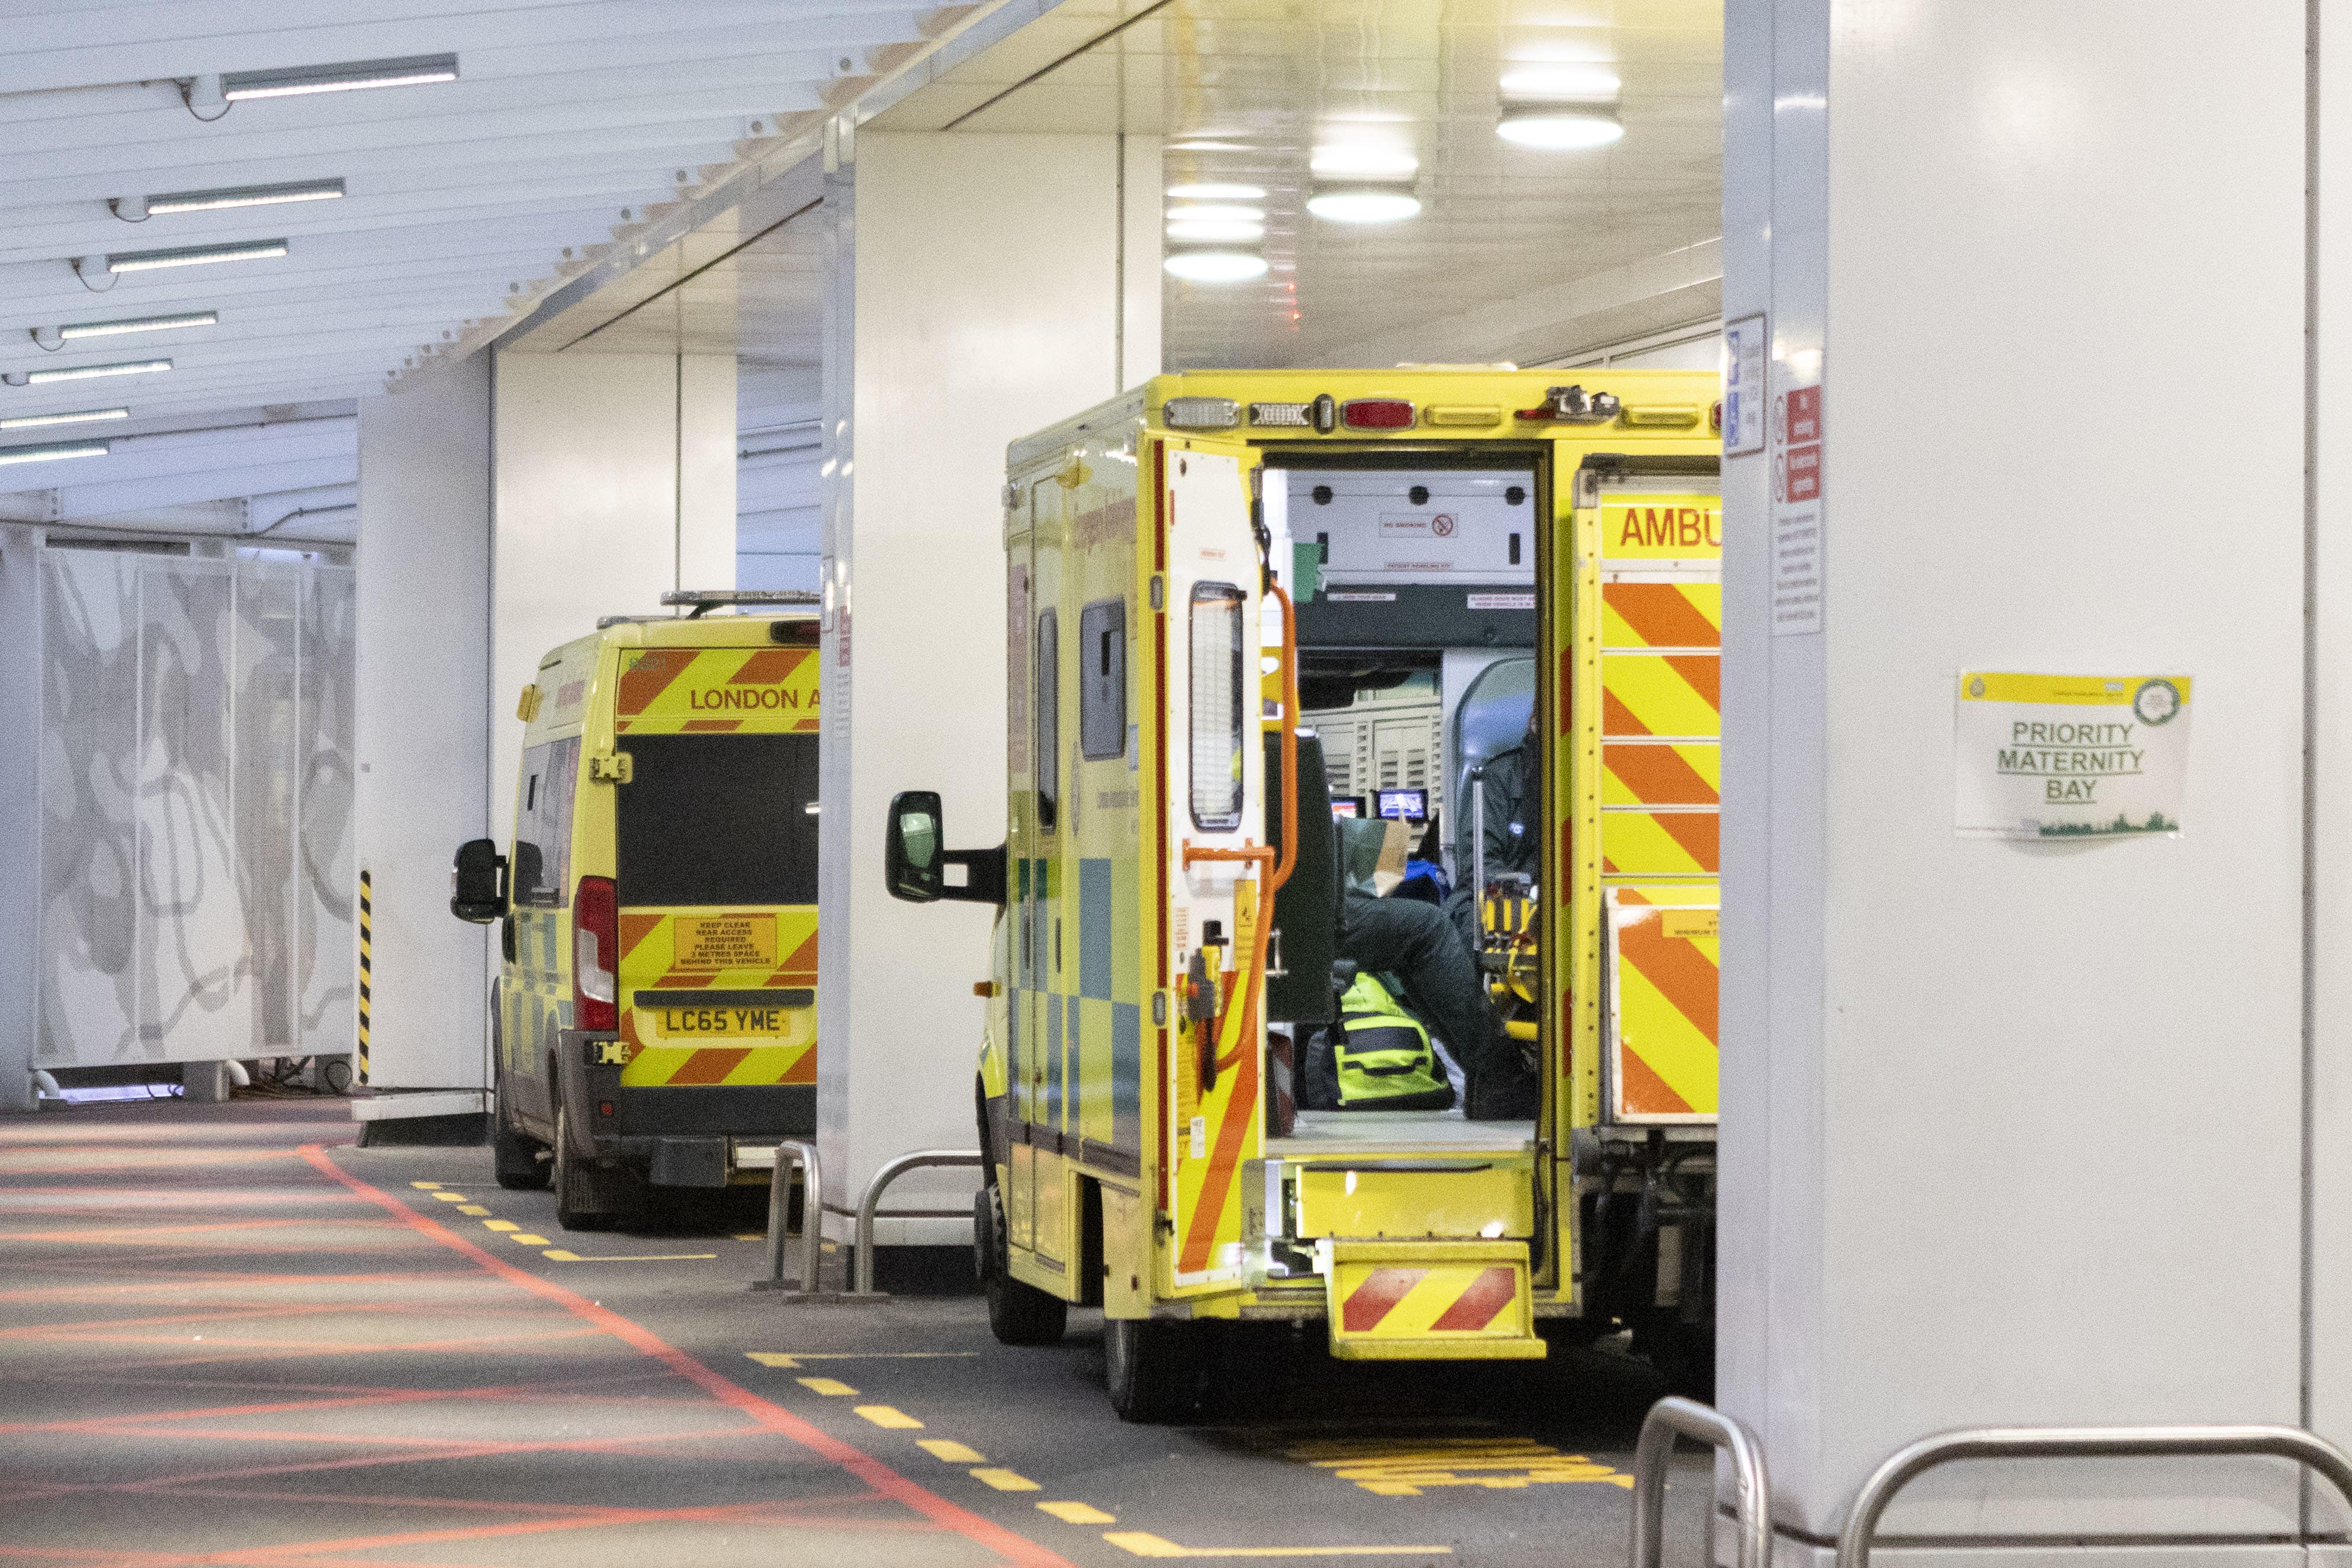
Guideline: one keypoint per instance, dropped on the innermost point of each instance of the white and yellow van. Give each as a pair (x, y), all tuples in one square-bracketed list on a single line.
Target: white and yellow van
[(654, 1015)]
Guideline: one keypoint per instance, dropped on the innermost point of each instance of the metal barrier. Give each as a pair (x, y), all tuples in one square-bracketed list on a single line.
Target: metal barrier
[(1906, 1464), (1751, 1483), (811, 1219), (921, 1159)]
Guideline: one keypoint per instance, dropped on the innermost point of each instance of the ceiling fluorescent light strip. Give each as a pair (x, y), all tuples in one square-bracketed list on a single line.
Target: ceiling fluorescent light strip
[(244, 197), (50, 452), (36, 421), (351, 76), (194, 255), (84, 371), (73, 330)]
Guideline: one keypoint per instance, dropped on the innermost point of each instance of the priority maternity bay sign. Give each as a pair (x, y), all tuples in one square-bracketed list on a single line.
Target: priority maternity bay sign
[(2070, 756)]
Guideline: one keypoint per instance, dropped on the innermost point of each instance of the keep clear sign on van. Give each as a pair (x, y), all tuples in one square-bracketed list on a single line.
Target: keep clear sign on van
[(2070, 756)]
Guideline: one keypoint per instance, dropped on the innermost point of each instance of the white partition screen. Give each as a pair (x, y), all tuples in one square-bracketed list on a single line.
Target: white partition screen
[(196, 844)]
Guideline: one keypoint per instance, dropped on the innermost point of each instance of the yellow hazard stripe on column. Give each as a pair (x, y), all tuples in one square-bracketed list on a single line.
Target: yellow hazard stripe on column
[(1662, 615), (367, 965), (1665, 999), (676, 690), (1668, 695), (1661, 773)]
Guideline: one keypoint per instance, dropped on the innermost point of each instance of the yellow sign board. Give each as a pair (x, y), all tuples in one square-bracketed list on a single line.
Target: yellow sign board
[(725, 941)]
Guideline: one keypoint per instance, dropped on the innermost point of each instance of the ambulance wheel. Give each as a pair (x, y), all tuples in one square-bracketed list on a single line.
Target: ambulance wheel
[(581, 1201), (1153, 1368), (1018, 1314), (521, 1163)]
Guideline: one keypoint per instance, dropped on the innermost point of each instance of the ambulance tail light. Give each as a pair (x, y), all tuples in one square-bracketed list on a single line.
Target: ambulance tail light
[(595, 955), (1715, 417), (1376, 414)]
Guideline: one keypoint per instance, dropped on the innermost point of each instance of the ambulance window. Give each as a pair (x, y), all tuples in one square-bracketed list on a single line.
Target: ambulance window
[(542, 856), (718, 819), (1049, 715), (1102, 689), (1217, 688)]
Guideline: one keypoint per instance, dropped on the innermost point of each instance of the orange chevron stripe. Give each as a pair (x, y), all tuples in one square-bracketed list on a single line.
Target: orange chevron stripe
[(1682, 973), (1658, 776), (771, 667), (1661, 614), (1616, 719), (635, 928), (710, 1064), (1704, 673), (1642, 1091), (649, 677)]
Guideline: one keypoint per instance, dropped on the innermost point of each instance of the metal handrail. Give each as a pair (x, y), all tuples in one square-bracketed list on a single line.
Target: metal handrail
[(1906, 1464), (1675, 1417), (921, 1159), (789, 1153)]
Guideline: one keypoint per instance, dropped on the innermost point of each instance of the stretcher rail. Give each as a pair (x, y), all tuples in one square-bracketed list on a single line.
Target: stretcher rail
[(789, 1153), (1908, 1463), (869, 1206), (1675, 1416)]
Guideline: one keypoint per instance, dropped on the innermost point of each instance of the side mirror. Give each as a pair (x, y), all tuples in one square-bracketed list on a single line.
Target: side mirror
[(917, 869), (912, 859), (478, 882)]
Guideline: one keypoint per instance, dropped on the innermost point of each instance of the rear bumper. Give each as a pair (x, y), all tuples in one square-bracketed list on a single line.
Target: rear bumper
[(682, 1134)]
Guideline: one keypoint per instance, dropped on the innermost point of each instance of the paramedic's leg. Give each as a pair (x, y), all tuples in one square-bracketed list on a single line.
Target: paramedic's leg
[(1419, 944)]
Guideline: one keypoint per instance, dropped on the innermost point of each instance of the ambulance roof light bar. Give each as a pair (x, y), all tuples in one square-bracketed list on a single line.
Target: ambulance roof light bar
[(704, 600)]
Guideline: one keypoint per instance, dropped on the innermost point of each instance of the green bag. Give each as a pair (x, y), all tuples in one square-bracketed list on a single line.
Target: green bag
[(1383, 1055)]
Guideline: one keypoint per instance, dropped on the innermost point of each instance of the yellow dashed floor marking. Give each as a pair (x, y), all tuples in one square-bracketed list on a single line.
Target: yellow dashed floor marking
[(1144, 1545), (1077, 1513), (500, 1225), (826, 1385), (528, 1240), (560, 1255), (425, 1186), (948, 1449), (476, 1209), (883, 1416), (1388, 1468), (451, 1198), (1007, 1480), (794, 1358)]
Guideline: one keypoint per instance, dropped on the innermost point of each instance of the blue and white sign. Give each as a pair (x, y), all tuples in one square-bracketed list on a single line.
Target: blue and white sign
[(1743, 386)]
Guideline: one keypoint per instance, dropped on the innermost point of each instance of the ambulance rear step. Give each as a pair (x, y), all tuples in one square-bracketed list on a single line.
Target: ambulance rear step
[(1423, 1300)]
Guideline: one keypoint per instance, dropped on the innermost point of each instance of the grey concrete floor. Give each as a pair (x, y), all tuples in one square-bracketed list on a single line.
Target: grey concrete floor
[(230, 1337)]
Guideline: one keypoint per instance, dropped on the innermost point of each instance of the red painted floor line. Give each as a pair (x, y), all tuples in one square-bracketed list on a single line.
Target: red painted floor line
[(866, 1468)]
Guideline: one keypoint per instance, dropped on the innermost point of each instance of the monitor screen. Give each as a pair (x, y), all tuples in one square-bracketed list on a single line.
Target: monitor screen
[(1405, 804), (1347, 805)]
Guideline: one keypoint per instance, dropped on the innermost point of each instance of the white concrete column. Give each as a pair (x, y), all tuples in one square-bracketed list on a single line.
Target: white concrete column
[(422, 725), (20, 812), (2014, 1132), (615, 483), (979, 289)]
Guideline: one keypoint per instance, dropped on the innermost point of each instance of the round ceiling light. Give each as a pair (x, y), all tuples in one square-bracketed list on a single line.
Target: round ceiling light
[(1215, 265), (1364, 203), (1214, 230), (1557, 127), (1216, 193)]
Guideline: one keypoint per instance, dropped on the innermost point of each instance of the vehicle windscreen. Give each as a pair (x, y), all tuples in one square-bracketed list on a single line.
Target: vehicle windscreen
[(718, 819)]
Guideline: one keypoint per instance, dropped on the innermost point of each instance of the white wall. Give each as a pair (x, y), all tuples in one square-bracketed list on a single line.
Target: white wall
[(2013, 1132), (974, 297), (423, 720), (20, 812), (615, 484)]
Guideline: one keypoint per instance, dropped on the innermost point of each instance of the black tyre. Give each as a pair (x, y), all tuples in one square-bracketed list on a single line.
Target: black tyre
[(1154, 1368), (521, 1163), (580, 1200), (1018, 1314)]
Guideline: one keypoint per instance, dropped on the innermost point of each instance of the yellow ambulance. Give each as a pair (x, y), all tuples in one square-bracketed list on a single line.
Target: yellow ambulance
[(654, 1021), (1240, 605)]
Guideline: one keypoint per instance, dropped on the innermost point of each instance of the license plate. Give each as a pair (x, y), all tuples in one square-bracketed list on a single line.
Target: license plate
[(718, 1022)]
